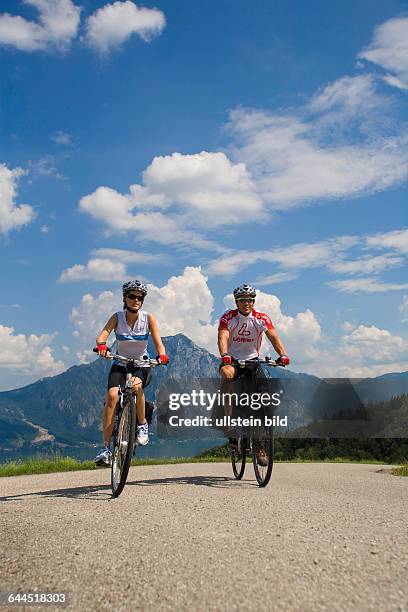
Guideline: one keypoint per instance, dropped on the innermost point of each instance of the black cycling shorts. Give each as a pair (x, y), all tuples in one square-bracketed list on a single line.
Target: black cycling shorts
[(117, 375), (248, 371)]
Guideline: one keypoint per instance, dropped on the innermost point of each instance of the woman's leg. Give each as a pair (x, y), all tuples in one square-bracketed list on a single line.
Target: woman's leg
[(109, 414)]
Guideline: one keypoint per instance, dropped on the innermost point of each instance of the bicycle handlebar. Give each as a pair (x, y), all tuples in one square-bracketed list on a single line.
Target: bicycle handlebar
[(267, 361), (112, 356)]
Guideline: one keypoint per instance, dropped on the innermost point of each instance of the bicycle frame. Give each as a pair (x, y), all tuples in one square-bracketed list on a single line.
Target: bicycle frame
[(258, 446), (124, 429)]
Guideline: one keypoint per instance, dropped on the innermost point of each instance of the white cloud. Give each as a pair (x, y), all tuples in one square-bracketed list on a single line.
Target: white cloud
[(130, 256), (45, 166), (113, 24), (107, 265), (298, 159), (339, 144), (347, 326), (366, 265), (389, 49), (207, 184), (330, 253), (360, 371), (273, 279), (30, 354), (296, 256), (96, 270), (192, 309), (57, 25), (62, 138), (403, 308), (394, 82), (371, 343), (366, 285), (397, 239), (202, 190), (89, 317), (44, 229), (12, 216), (116, 212), (348, 97), (198, 191)]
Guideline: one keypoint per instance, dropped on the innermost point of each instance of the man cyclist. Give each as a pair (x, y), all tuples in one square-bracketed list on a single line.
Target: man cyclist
[(132, 327), (240, 335)]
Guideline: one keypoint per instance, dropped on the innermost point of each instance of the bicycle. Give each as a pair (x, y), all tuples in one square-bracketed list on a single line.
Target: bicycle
[(259, 441), (124, 428)]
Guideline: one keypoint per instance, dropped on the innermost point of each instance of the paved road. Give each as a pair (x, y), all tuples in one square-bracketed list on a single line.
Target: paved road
[(188, 537)]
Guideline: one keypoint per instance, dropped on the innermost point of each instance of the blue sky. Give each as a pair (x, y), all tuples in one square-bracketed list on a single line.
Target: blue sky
[(200, 145)]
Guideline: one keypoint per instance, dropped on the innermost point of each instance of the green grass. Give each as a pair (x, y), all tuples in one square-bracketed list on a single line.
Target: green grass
[(47, 465), (44, 465), (401, 471)]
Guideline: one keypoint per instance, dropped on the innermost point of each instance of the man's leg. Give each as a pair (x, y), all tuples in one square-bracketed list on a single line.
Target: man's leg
[(228, 374)]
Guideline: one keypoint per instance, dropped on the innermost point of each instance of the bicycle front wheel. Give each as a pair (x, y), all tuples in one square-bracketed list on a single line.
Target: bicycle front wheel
[(123, 443), (238, 458), (262, 455)]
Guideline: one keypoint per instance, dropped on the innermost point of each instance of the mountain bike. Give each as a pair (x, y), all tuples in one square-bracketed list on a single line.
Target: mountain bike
[(124, 428), (257, 440)]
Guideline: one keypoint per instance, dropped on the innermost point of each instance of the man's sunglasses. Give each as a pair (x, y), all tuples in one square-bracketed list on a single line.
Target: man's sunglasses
[(246, 300), (133, 296)]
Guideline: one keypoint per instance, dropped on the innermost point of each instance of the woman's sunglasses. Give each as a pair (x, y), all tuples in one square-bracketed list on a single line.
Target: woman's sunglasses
[(133, 297)]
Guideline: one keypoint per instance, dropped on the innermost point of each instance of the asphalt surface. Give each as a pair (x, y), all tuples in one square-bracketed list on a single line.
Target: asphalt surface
[(189, 537)]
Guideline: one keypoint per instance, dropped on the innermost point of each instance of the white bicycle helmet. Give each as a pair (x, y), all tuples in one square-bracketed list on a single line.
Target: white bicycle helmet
[(244, 290), (136, 286)]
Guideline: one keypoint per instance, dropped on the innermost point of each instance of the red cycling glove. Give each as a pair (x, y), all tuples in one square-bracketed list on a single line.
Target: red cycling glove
[(164, 359), (102, 348), (226, 359), (283, 360)]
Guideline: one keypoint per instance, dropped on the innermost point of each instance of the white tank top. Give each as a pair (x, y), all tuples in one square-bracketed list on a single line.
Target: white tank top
[(132, 341)]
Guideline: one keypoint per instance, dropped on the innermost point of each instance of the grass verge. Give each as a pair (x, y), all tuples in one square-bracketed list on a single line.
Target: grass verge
[(47, 465), (401, 471)]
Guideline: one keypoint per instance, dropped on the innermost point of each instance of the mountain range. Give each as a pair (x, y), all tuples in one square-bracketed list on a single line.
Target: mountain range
[(64, 412)]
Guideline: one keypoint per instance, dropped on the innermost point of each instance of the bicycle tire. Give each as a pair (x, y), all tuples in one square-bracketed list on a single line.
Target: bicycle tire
[(123, 443), (238, 459), (262, 446)]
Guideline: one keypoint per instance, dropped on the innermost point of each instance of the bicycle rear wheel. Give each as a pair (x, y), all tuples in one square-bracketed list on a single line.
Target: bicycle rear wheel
[(262, 454), (238, 458), (123, 442)]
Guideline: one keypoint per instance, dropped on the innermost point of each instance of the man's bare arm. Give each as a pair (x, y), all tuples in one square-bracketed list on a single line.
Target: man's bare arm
[(223, 337), (276, 342)]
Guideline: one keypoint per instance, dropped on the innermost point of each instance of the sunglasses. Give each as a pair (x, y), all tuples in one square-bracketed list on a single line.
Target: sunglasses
[(246, 300), (133, 297)]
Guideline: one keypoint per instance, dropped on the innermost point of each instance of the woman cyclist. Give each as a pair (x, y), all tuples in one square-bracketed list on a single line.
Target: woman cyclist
[(132, 327)]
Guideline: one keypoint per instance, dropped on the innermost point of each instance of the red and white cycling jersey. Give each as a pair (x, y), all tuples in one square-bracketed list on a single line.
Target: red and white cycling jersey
[(245, 337)]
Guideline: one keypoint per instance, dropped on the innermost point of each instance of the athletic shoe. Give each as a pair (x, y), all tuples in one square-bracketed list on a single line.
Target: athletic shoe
[(142, 434), (104, 457)]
